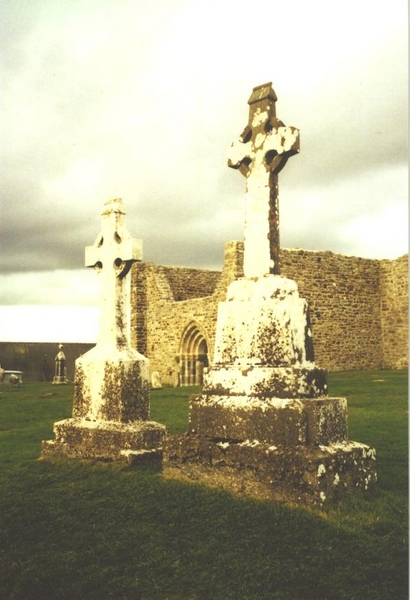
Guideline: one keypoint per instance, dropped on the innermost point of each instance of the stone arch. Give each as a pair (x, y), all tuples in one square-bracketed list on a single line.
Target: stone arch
[(193, 355)]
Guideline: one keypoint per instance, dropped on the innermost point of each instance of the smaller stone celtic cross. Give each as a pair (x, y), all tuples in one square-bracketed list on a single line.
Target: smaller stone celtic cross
[(60, 368), (112, 255), (261, 152)]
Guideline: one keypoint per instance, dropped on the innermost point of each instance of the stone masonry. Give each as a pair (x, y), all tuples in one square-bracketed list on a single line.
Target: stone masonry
[(366, 297), (394, 311)]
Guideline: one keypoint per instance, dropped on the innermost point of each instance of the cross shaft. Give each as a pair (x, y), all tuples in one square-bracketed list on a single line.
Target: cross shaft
[(112, 255), (260, 154)]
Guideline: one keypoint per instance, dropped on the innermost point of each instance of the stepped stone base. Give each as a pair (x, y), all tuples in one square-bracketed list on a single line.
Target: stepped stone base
[(278, 421), (308, 475), (59, 380), (266, 381), (292, 450), (110, 410), (105, 440), (264, 425)]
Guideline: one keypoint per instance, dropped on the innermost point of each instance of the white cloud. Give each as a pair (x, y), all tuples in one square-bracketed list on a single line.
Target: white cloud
[(141, 100), (367, 234), (74, 287), (83, 180), (326, 218), (48, 324)]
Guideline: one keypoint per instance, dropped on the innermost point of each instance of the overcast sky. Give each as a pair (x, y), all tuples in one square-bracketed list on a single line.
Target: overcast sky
[(140, 99)]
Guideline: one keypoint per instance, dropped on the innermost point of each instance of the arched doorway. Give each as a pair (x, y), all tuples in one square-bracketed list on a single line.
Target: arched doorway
[(193, 356)]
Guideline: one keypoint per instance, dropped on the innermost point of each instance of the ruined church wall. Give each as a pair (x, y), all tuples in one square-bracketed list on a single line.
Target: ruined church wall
[(187, 284), (167, 328), (158, 320), (358, 308), (394, 311), (344, 303)]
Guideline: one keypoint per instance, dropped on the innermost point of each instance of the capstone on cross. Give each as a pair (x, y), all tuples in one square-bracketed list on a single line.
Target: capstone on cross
[(112, 255), (261, 152)]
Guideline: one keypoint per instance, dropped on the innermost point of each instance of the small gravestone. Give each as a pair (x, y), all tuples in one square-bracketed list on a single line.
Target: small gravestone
[(14, 380), (111, 386), (156, 382), (60, 373), (264, 425)]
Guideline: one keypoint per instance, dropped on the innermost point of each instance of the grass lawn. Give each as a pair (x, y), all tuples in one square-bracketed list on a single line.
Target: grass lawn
[(72, 530)]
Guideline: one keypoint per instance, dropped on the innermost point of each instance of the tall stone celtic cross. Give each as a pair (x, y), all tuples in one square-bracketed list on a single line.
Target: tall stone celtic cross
[(261, 152), (112, 255)]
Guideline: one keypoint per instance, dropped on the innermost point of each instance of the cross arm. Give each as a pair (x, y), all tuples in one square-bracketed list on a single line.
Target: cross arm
[(239, 155), (130, 249), (93, 255), (283, 140)]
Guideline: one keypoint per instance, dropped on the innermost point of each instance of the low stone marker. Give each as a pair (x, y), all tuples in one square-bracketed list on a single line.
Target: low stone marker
[(264, 425), (156, 383), (14, 379), (12, 376), (111, 385)]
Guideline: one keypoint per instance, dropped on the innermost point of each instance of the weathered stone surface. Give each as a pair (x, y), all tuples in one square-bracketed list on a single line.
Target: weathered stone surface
[(285, 422), (366, 297), (260, 153), (80, 438), (239, 418), (262, 381), (111, 389), (308, 475), (263, 321), (394, 306), (326, 420), (111, 256), (263, 344)]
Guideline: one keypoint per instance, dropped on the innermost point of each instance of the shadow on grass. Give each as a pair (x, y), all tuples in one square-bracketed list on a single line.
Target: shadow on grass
[(82, 531)]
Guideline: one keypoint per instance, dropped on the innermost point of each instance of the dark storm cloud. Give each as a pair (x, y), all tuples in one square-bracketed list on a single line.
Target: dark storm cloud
[(137, 101)]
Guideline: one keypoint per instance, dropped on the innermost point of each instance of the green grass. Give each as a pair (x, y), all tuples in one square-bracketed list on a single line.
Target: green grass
[(75, 530)]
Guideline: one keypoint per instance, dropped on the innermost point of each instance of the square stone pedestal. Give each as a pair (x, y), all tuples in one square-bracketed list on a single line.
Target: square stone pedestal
[(110, 411), (105, 440), (289, 450), (311, 476)]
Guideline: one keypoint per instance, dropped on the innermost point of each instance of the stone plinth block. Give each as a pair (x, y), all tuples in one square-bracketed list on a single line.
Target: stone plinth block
[(58, 380), (104, 440), (110, 410), (286, 422), (263, 345), (265, 381), (263, 322), (111, 386), (309, 475)]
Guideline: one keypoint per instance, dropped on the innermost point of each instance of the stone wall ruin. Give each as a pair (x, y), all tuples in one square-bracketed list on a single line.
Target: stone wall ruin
[(358, 310)]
